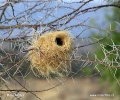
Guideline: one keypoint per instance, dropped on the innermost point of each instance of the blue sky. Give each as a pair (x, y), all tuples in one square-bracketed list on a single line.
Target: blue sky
[(94, 1), (98, 16)]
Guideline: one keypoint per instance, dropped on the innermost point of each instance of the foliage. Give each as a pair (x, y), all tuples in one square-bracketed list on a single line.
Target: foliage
[(110, 55)]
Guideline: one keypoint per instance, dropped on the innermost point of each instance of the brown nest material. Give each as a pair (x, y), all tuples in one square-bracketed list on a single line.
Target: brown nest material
[(51, 54)]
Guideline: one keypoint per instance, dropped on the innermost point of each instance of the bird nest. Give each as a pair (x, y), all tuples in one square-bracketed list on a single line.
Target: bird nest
[(51, 53)]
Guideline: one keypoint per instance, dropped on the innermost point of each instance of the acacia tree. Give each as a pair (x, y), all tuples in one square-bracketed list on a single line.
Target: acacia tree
[(21, 19), (110, 53)]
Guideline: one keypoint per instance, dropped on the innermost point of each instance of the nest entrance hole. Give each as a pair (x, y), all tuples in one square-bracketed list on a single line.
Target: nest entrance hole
[(59, 41)]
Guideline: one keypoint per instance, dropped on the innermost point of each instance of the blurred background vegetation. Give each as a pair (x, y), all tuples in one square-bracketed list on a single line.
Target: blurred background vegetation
[(109, 69)]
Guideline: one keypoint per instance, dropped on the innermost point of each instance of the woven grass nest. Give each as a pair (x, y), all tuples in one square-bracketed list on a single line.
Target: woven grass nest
[(51, 54)]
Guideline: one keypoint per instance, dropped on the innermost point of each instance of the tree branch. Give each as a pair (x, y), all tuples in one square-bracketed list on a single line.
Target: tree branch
[(4, 8), (51, 23)]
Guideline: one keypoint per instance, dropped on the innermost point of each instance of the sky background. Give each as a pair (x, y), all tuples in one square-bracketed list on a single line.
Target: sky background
[(97, 17)]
